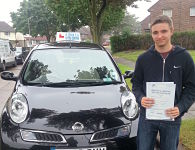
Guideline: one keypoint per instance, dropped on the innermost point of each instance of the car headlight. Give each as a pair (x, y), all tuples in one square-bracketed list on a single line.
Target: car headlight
[(129, 105), (18, 108)]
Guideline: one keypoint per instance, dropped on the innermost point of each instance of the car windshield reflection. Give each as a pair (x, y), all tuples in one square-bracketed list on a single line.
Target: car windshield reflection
[(62, 67)]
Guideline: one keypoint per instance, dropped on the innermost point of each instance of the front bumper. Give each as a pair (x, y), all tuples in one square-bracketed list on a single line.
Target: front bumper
[(19, 59), (11, 139)]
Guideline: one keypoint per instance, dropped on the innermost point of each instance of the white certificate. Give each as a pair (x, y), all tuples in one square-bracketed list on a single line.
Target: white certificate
[(163, 94)]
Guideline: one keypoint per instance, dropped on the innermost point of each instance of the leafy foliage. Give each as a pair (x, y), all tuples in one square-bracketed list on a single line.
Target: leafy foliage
[(144, 41), (34, 16), (127, 26), (99, 15)]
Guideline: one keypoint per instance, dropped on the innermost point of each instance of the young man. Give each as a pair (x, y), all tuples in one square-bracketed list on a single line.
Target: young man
[(163, 62)]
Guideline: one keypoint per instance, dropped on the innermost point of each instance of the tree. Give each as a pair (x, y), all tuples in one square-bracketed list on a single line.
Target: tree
[(35, 17), (128, 25), (99, 15)]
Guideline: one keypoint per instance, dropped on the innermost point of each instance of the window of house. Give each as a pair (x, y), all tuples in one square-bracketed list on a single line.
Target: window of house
[(192, 11), (34, 42), (7, 33), (149, 24), (167, 12), (147, 30)]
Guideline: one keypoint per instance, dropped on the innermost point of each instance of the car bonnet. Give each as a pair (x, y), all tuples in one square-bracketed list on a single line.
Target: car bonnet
[(54, 109)]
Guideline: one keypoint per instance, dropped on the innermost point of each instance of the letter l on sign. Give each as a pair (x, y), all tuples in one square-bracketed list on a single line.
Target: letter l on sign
[(60, 36)]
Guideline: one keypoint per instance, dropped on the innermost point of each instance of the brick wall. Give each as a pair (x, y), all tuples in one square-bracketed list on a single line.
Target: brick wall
[(180, 13)]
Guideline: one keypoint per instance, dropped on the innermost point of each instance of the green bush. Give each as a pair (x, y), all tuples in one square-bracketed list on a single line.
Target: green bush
[(144, 41)]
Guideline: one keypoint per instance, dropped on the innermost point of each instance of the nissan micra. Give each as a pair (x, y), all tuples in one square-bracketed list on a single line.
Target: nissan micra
[(69, 96)]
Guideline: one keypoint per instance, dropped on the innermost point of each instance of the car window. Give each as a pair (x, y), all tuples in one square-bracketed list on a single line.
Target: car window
[(18, 49), (61, 65)]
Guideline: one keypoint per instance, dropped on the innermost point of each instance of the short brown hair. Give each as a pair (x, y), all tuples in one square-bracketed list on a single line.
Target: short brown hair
[(163, 19)]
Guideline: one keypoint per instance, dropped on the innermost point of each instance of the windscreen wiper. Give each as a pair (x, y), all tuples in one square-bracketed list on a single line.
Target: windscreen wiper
[(60, 84), (96, 83), (75, 83)]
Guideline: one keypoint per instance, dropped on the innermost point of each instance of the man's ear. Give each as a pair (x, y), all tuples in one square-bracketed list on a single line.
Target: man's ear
[(172, 30)]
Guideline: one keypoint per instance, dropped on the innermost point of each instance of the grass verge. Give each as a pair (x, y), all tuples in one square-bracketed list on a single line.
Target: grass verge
[(187, 134), (124, 68), (129, 55), (192, 53)]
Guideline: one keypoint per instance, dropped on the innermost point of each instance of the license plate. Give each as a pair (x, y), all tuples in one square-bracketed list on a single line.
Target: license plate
[(93, 148)]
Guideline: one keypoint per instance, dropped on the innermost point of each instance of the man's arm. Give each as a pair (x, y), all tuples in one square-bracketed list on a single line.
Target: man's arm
[(188, 93), (137, 82)]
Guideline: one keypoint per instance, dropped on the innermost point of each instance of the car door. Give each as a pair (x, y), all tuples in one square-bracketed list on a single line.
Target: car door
[(9, 53)]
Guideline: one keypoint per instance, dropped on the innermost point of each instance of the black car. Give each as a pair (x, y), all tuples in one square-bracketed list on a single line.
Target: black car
[(69, 96), (19, 55)]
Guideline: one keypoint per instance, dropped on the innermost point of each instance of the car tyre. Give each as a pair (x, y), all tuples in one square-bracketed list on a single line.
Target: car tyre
[(15, 63), (22, 60), (127, 144)]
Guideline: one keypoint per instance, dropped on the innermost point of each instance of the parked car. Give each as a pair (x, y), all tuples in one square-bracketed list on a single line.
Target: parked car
[(69, 96), (7, 55), (19, 55), (106, 43)]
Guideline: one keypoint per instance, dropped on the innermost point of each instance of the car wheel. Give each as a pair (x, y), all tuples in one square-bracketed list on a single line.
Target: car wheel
[(22, 60), (127, 144), (15, 63), (0, 143)]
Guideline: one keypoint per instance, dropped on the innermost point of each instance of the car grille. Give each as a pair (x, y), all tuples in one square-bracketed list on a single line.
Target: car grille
[(94, 148), (48, 137), (41, 136), (106, 134)]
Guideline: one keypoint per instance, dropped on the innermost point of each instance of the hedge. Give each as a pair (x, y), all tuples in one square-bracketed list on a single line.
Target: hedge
[(144, 41)]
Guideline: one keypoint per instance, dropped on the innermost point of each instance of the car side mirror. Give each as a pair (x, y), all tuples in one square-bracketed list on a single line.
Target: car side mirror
[(12, 49), (128, 74), (6, 75), (23, 50)]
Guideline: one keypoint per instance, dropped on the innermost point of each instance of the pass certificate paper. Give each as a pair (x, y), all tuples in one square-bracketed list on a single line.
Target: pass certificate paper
[(163, 94)]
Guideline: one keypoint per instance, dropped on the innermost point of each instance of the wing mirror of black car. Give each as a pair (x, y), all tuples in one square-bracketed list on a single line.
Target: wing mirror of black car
[(128, 74), (6, 75), (13, 49), (23, 49)]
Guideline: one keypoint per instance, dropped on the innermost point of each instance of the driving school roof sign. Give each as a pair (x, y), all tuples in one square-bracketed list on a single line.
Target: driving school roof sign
[(68, 36)]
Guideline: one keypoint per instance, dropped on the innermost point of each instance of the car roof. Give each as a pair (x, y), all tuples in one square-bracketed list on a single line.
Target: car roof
[(79, 45)]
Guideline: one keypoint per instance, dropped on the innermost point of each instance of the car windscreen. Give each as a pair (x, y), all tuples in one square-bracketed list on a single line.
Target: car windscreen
[(70, 66), (18, 49)]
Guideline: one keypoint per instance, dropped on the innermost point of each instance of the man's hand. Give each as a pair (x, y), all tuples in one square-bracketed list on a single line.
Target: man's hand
[(147, 102), (173, 112)]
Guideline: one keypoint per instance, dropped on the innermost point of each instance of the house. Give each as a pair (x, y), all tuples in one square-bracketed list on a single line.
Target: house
[(32, 41), (87, 37), (18, 39), (7, 32), (85, 33), (182, 13)]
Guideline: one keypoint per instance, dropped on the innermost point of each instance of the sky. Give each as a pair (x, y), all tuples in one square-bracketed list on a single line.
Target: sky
[(142, 11), (7, 6)]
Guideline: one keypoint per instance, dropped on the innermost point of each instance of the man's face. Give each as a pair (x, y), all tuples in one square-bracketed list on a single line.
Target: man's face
[(161, 34)]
